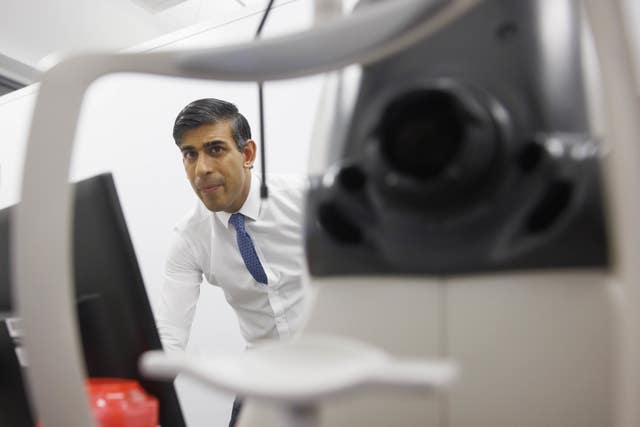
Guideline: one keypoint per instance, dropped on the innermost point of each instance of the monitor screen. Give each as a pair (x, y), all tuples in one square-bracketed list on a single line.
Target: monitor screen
[(115, 318)]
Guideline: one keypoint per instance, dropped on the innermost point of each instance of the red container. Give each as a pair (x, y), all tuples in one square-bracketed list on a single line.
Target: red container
[(121, 403)]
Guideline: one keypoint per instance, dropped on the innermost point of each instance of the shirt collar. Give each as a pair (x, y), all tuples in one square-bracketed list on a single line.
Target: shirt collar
[(251, 207)]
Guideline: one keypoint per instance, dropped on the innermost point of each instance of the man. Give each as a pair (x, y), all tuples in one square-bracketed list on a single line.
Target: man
[(250, 248)]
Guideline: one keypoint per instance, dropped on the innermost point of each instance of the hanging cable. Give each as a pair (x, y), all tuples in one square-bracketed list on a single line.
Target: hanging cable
[(264, 192)]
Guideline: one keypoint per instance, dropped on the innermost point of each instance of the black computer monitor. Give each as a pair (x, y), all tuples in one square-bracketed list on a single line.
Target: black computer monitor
[(14, 405), (114, 314)]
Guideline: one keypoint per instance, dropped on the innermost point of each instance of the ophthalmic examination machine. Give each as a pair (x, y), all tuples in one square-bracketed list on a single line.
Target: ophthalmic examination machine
[(472, 248)]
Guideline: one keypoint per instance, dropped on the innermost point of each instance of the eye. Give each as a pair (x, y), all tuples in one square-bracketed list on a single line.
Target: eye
[(189, 155), (216, 149)]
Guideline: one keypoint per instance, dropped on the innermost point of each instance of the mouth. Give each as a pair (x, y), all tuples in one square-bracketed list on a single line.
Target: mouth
[(209, 189)]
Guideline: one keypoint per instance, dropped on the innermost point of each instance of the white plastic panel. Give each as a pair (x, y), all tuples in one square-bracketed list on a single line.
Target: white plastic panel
[(534, 350)]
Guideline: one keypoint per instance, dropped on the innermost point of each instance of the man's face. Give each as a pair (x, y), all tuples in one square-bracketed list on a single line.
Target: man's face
[(218, 172)]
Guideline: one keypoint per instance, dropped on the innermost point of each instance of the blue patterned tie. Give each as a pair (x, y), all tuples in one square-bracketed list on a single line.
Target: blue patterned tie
[(247, 250)]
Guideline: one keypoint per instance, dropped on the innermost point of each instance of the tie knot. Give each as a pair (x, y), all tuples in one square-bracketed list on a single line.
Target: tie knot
[(237, 219)]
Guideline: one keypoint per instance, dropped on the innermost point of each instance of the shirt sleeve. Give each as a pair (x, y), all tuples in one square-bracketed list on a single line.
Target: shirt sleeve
[(179, 295)]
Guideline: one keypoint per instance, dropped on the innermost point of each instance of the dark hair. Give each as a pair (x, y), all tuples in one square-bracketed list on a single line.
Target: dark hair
[(211, 111)]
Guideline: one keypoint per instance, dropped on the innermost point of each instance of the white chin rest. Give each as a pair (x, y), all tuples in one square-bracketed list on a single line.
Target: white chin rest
[(303, 370)]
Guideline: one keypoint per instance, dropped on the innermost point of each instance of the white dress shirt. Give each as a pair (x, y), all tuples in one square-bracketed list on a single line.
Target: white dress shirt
[(204, 245)]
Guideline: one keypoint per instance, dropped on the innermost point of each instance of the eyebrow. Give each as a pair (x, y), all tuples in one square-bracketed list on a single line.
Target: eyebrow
[(208, 144), (214, 143)]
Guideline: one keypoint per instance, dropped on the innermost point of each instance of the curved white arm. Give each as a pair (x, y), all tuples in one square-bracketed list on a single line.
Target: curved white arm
[(41, 236), (305, 370)]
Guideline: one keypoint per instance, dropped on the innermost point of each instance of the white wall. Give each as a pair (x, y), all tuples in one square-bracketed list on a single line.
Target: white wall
[(125, 128)]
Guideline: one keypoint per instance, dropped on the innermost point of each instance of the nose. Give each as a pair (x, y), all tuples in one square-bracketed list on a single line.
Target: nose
[(204, 165)]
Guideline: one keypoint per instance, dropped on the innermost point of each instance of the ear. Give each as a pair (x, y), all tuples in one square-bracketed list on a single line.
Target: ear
[(249, 153)]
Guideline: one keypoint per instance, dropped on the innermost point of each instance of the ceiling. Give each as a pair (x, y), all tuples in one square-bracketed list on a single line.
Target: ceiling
[(30, 30)]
